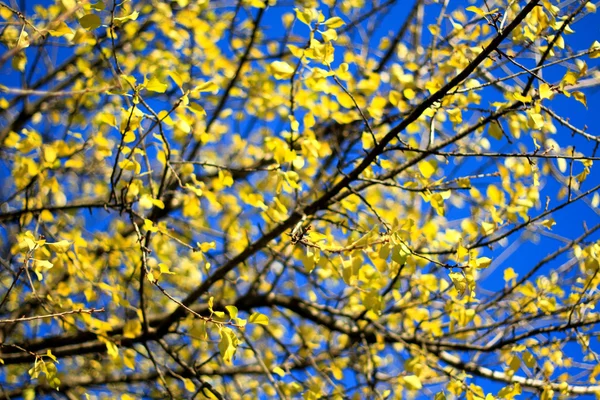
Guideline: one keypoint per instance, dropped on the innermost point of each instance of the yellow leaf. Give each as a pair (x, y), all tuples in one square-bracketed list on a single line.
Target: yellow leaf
[(329, 35), (547, 394), (476, 10), (461, 252), (164, 269), (209, 86), (536, 120), (334, 22), (19, 61), (279, 371), (483, 262), (176, 78), (460, 282), (409, 93), (149, 226), (132, 328), (258, 318), (545, 91), (232, 310), (281, 70), (60, 246), (580, 97), (146, 202), (488, 227), (129, 137), (158, 203), (113, 350), (197, 109), (204, 247), (524, 99), (295, 50), (305, 16), (38, 264), (509, 274), (129, 359), (189, 385), (570, 78), (595, 50), (130, 165), (548, 223), (60, 29), (98, 6), (151, 277), (427, 168), (455, 115), (154, 85), (413, 382), (131, 17)]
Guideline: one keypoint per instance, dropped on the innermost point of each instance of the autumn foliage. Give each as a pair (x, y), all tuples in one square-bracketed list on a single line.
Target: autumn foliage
[(318, 200)]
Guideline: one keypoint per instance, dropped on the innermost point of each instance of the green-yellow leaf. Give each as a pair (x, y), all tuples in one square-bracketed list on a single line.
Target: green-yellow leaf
[(197, 109), (19, 61), (90, 21), (99, 6), (400, 254), (232, 310), (228, 345), (529, 359)]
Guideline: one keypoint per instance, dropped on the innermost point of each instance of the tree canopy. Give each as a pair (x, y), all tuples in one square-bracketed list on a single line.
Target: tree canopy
[(299, 199)]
